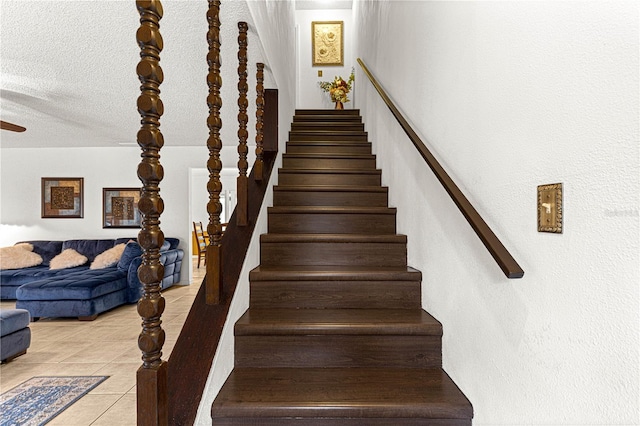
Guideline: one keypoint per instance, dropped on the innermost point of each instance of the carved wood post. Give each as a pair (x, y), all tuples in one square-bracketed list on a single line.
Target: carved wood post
[(152, 408), (259, 164), (213, 280), (243, 118)]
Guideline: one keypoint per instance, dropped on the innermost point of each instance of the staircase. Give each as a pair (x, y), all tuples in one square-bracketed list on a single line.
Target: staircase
[(335, 333)]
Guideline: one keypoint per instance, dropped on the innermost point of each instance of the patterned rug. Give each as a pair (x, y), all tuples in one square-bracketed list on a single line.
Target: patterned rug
[(40, 399)]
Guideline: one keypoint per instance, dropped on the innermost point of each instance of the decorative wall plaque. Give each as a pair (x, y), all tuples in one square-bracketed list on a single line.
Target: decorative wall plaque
[(327, 43), (62, 197), (120, 208)]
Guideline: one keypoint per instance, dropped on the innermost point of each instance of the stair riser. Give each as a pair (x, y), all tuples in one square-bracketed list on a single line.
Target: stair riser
[(318, 223), (332, 253), (325, 118), (333, 421), (324, 136), (339, 126), (328, 163), (336, 294), (329, 179), (329, 149), (339, 112), (339, 351), (327, 198)]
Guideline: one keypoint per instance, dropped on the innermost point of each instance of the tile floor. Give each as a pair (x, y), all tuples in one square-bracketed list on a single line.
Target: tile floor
[(107, 346)]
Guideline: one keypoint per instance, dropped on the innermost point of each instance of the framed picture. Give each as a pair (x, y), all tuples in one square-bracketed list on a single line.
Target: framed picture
[(62, 197), (327, 43), (120, 208)]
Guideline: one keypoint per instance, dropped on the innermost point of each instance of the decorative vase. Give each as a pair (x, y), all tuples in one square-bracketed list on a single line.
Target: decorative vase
[(339, 105)]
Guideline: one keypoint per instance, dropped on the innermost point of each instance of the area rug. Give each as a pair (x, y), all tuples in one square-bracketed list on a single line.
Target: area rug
[(38, 400)]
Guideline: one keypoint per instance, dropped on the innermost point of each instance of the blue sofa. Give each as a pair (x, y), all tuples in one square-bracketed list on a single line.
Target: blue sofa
[(80, 291)]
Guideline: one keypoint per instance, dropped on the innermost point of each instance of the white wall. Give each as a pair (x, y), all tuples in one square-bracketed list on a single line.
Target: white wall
[(511, 95), (101, 168), (309, 95)]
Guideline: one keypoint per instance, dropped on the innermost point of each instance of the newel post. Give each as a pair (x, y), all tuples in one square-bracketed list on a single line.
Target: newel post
[(213, 280), (259, 164), (243, 134), (151, 378)]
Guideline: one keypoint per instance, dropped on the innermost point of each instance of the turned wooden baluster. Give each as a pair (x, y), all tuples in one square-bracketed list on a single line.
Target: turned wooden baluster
[(243, 134), (259, 164), (213, 279), (151, 378)]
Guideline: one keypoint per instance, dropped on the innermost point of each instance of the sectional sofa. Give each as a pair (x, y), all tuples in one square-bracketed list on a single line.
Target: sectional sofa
[(84, 291)]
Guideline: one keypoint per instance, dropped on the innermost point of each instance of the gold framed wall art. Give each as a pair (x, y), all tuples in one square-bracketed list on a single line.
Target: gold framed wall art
[(120, 208), (62, 198), (327, 43)]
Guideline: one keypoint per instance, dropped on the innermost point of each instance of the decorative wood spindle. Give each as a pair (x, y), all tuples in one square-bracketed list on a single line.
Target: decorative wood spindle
[(243, 134), (213, 280), (259, 164), (152, 408)]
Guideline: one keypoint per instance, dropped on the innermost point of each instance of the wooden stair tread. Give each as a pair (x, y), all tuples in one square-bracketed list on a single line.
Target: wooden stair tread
[(341, 393), (332, 188), (333, 238), (334, 273), (328, 143), (329, 155), (332, 209), (331, 171), (266, 321), (332, 112)]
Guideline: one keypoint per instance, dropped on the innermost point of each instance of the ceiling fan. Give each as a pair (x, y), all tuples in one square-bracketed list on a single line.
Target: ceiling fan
[(4, 125)]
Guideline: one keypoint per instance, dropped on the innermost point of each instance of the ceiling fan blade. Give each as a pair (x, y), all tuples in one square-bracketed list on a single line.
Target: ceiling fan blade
[(11, 127)]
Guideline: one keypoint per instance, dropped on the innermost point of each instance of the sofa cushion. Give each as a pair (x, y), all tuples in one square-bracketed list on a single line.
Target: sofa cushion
[(69, 258), (173, 242), (131, 251), (108, 257), (89, 248), (17, 257), (13, 320), (47, 249), (83, 285)]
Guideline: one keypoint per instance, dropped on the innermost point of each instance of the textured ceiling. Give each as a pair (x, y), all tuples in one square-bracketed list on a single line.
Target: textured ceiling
[(68, 72)]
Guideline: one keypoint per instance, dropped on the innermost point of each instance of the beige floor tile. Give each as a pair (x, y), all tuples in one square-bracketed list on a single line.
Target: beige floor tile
[(100, 352), (122, 413), (85, 411), (122, 378)]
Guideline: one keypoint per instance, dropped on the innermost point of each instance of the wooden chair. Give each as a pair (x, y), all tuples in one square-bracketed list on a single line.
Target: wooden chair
[(201, 239)]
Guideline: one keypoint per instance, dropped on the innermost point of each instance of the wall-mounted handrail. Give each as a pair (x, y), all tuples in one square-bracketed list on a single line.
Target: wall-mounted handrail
[(501, 255)]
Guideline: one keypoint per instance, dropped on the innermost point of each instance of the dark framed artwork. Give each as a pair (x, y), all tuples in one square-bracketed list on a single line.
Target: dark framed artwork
[(62, 197), (120, 208), (327, 43)]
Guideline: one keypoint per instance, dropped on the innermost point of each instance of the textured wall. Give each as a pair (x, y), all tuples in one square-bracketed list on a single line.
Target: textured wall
[(511, 95), (309, 95)]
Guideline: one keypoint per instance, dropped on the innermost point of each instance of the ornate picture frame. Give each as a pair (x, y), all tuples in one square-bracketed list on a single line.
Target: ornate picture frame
[(327, 43), (62, 197), (120, 208)]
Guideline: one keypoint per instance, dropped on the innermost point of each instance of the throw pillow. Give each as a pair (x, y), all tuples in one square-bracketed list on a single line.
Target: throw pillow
[(16, 257), (69, 258), (108, 257)]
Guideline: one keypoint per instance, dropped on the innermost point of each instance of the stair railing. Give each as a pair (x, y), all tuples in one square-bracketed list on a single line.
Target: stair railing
[(154, 395), (152, 376), (501, 255)]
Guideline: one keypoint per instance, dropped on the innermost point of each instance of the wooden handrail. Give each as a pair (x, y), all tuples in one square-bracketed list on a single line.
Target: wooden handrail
[(505, 261)]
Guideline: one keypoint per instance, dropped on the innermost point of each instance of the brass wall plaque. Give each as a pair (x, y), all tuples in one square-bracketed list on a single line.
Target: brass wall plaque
[(327, 43), (550, 208)]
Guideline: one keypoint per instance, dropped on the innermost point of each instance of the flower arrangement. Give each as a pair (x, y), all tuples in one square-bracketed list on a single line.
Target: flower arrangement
[(338, 89)]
